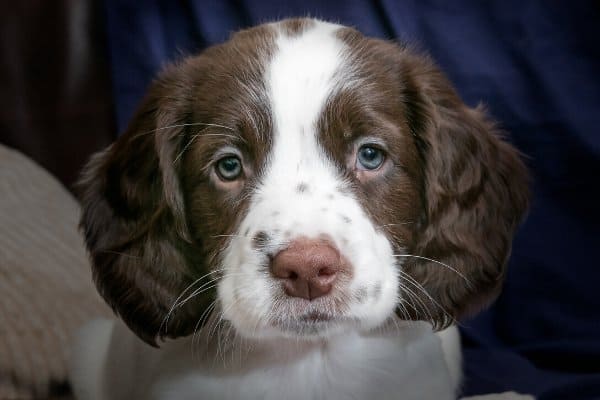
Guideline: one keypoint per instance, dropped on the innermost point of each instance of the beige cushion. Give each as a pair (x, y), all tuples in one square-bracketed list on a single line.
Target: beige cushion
[(45, 281)]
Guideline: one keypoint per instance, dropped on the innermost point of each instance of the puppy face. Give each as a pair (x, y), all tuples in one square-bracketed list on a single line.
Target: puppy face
[(301, 180)]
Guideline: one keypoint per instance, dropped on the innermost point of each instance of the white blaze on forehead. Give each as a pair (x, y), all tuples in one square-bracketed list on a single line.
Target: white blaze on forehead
[(300, 78), (300, 74)]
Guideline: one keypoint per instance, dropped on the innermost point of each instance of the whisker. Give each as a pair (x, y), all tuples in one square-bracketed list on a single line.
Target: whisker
[(230, 342), (410, 298), (188, 144), (181, 126), (208, 286), (220, 354), (175, 303), (216, 327), (414, 297), (405, 313), (401, 223), (417, 285), (205, 287), (212, 321), (233, 235), (437, 262), (420, 287), (205, 314)]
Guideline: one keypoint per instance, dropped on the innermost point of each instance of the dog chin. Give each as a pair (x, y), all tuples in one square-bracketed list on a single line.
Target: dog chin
[(305, 328), (313, 326)]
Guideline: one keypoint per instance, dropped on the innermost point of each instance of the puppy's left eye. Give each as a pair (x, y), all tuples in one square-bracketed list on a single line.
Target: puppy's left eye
[(369, 157), (229, 168)]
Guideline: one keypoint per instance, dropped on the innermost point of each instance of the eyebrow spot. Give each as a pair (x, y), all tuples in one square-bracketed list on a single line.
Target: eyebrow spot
[(361, 294), (260, 240), (302, 187), (345, 218), (264, 266)]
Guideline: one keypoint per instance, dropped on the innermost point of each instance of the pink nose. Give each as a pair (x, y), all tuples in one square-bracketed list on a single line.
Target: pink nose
[(308, 268)]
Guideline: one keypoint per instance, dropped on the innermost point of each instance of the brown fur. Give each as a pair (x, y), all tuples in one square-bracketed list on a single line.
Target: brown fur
[(155, 221), (471, 186), (151, 216)]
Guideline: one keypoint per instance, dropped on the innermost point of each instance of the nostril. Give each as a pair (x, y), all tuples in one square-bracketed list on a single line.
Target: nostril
[(326, 271), (293, 275)]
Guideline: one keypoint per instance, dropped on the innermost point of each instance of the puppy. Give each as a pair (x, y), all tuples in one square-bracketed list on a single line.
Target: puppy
[(302, 207)]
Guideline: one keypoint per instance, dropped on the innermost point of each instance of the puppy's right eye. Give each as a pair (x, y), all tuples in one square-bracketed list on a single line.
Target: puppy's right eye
[(229, 168)]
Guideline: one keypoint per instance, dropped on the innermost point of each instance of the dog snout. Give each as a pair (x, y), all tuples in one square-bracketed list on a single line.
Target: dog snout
[(308, 268)]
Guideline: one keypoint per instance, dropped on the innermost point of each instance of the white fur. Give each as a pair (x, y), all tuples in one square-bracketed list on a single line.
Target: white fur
[(89, 360), (304, 72), (110, 363), (365, 353), (390, 364)]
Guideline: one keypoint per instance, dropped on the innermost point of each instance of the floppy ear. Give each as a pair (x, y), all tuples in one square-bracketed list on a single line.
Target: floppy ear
[(476, 191), (134, 220)]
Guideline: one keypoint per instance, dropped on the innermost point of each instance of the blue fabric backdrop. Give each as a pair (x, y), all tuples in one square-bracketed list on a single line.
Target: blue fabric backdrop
[(536, 65)]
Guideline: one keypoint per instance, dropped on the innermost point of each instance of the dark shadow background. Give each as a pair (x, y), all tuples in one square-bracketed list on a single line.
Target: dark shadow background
[(71, 73), (55, 99)]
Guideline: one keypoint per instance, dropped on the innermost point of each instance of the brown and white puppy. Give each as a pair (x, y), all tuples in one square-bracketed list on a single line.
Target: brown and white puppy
[(300, 196)]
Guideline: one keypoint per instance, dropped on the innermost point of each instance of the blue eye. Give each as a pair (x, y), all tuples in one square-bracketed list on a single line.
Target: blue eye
[(229, 168), (370, 157)]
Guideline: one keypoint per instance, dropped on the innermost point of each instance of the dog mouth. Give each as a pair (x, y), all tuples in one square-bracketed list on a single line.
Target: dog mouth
[(309, 318), (315, 317), (314, 325)]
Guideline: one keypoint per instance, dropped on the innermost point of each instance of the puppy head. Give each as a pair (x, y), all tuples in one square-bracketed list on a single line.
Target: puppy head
[(301, 179)]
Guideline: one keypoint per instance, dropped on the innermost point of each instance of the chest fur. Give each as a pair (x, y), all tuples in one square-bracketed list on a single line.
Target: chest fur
[(352, 367)]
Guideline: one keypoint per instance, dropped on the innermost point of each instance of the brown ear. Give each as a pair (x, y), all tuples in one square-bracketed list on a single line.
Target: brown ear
[(476, 191), (133, 216)]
